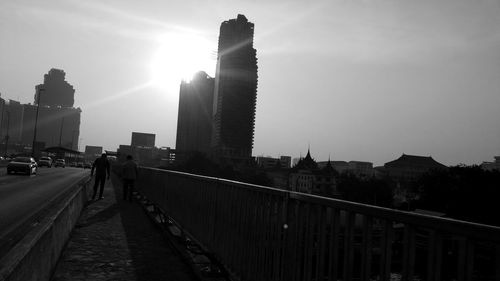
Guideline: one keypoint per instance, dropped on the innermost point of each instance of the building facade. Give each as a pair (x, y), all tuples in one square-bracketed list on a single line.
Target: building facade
[(235, 93), (408, 168), (283, 162), (194, 121), (56, 126), (307, 177)]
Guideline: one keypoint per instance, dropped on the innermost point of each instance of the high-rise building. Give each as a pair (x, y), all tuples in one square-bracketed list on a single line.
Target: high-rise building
[(56, 126), (194, 121), (58, 122), (235, 93), (57, 92)]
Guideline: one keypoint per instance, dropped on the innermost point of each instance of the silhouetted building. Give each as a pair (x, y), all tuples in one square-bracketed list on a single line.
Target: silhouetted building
[(361, 169), (58, 122), (235, 92), (57, 92), (307, 177), (409, 167), (490, 166), (194, 121), (143, 139), (56, 126), (12, 121), (283, 162)]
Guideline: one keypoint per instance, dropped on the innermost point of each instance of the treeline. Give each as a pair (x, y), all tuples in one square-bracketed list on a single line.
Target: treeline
[(462, 192)]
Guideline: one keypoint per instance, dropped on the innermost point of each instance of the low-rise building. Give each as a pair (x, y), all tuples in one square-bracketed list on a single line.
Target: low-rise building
[(307, 177), (490, 166), (408, 168)]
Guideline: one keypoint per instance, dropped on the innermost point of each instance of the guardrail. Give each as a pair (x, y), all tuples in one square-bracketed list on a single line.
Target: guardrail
[(260, 233), (35, 256)]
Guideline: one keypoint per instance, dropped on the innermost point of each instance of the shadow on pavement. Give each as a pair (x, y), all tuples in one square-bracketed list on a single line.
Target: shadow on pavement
[(101, 216), (152, 257)]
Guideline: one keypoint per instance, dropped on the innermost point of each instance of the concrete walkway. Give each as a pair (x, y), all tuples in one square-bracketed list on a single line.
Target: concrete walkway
[(115, 240)]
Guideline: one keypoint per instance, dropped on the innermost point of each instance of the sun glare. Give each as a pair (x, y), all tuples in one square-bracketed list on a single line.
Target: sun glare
[(178, 57)]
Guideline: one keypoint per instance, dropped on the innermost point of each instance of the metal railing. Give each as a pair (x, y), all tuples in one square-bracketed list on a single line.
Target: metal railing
[(260, 233)]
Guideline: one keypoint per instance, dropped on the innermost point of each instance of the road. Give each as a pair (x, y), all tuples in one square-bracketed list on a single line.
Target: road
[(22, 196)]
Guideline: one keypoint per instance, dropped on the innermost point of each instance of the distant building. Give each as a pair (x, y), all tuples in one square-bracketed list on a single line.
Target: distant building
[(235, 93), (143, 140), (410, 167), (56, 126), (307, 177), (361, 169), (11, 117), (92, 152), (194, 120), (56, 91), (270, 162), (58, 121), (490, 166)]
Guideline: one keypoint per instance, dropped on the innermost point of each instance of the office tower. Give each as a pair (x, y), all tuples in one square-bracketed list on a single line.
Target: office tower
[(235, 92), (194, 121), (57, 92)]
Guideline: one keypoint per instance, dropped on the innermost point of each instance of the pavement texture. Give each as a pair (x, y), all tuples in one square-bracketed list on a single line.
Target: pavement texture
[(116, 240)]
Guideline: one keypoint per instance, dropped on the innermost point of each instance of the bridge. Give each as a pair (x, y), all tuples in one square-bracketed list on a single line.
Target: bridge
[(262, 233)]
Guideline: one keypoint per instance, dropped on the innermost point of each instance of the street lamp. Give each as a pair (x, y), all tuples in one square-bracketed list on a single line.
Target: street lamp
[(36, 121)]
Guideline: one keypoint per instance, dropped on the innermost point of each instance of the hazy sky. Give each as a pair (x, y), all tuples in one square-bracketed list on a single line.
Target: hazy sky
[(356, 79)]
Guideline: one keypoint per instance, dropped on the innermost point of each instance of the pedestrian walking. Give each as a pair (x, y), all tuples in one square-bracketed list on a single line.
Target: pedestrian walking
[(101, 167), (129, 175)]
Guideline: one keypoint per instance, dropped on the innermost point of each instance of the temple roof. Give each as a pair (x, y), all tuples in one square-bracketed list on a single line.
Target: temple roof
[(414, 161)]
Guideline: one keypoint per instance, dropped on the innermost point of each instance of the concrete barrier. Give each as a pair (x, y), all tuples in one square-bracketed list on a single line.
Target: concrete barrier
[(36, 255)]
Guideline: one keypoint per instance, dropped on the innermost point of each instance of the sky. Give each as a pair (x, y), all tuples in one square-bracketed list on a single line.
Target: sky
[(357, 80)]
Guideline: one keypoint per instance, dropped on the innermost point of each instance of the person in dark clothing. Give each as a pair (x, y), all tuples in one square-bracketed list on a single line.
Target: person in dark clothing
[(101, 167), (129, 175)]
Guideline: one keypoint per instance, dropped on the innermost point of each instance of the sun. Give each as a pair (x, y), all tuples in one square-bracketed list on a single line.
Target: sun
[(178, 57)]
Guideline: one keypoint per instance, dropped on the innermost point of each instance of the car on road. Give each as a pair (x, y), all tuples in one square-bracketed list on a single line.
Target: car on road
[(26, 165), (60, 163), (45, 161), (79, 165), (87, 165)]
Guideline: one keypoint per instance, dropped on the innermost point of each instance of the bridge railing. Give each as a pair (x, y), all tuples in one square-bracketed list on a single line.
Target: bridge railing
[(260, 233)]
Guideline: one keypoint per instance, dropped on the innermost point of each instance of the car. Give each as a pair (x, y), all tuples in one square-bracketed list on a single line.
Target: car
[(87, 165), (45, 161), (79, 165), (60, 163), (22, 164)]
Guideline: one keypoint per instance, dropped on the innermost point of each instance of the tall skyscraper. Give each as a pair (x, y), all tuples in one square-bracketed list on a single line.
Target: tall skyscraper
[(57, 92), (194, 121), (235, 92)]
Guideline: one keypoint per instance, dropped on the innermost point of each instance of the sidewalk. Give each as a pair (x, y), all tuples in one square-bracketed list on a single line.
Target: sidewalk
[(115, 240)]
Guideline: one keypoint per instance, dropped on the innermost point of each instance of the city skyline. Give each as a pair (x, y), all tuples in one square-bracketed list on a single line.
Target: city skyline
[(357, 81)]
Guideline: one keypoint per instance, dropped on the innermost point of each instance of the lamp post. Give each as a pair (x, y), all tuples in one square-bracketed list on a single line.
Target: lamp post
[(36, 121)]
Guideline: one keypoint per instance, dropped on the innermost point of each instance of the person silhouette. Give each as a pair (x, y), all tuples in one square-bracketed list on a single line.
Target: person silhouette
[(101, 167), (129, 175)]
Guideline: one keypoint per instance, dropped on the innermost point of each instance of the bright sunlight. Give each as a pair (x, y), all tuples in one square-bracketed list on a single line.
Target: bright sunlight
[(178, 57)]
